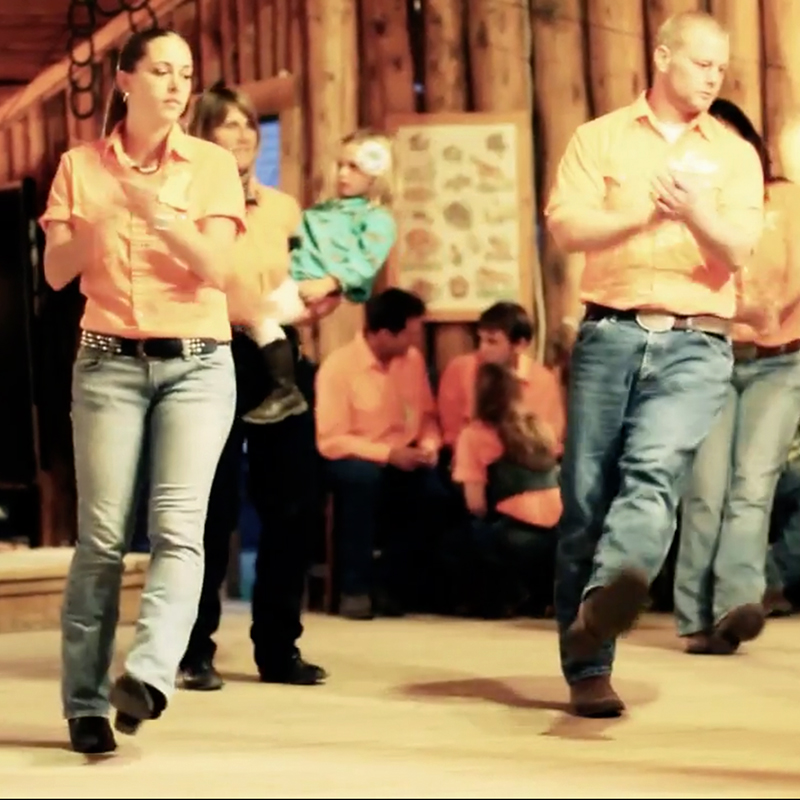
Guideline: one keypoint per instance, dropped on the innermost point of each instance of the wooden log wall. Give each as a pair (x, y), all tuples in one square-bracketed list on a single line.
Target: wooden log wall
[(357, 60)]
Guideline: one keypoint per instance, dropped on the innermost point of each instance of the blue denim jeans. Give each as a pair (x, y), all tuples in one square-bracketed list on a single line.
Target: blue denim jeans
[(378, 506), (726, 509), (179, 412), (783, 557), (639, 405)]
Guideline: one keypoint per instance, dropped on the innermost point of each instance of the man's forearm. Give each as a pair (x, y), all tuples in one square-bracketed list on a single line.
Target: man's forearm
[(589, 229), (729, 242)]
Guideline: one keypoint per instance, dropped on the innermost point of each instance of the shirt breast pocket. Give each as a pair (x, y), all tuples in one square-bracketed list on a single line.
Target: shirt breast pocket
[(175, 193), (625, 188)]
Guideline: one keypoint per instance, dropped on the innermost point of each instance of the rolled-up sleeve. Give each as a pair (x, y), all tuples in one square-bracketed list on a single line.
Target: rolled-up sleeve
[(221, 187), (60, 198)]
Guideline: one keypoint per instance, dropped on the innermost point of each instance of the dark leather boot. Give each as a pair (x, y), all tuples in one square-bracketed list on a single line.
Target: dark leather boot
[(607, 612), (91, 735), (285, 400), (595, 698), (741, 624), (201, 677), (295, 671), (135, 701)]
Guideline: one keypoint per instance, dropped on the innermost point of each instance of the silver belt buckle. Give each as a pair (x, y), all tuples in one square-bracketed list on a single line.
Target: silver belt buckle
[(653, 322)]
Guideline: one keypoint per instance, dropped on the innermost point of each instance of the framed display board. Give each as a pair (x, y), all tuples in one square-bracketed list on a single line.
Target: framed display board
[(464, 211)]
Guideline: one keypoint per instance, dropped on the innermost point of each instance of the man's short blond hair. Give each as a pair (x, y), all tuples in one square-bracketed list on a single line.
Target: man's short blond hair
[(672, 33)]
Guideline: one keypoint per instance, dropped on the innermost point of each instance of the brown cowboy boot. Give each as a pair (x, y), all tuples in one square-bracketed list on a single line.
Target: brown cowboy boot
[(595, 698), (741, 624), (607, 612)]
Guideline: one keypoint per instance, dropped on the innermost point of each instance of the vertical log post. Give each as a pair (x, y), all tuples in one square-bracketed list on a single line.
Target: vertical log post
[(616, 52), (446, 90), (657, 12), (500, 62), (208, 42), (265, 38), (781, 22), (332, 74), (386, 64), (246, 38), (742, 19), (388, 69), (561, 106)]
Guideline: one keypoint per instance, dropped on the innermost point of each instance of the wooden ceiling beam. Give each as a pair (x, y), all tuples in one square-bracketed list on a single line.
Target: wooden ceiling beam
[(49, 80), (35, 8)]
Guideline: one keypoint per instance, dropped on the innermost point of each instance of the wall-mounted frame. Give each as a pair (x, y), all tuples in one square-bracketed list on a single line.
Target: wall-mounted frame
[(464, 210)]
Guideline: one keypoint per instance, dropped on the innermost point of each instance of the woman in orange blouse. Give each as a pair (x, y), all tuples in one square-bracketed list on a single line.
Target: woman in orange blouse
[(145, 218), (505, 461)]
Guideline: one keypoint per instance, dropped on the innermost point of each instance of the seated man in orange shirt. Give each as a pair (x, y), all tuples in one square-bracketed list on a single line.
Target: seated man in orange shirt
[(505, 460), (504, 334), (376, 426)]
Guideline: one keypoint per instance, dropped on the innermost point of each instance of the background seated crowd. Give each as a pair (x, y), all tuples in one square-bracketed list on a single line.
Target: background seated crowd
[(446, 499)]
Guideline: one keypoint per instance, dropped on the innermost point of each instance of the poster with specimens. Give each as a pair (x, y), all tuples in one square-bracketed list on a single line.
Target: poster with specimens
[(464, 226)]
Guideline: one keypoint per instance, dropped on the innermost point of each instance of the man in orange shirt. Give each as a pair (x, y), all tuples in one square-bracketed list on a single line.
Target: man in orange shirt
[(376, 426), (667, 204), (504, 334)]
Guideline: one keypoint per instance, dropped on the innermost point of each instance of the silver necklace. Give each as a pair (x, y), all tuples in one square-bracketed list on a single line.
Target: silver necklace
[(139, 168)]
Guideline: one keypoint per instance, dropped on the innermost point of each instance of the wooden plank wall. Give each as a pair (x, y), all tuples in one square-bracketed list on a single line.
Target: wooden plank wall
[(564, 60)]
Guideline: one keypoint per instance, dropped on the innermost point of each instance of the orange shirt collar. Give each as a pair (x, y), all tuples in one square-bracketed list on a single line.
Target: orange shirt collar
[(364, 357), (178, 143), (640, 110)]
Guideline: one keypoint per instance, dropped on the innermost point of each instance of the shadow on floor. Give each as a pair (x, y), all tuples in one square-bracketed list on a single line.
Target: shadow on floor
[(536, 693)]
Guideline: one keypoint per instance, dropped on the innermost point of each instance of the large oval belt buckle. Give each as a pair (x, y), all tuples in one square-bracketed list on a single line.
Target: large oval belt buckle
[(654, 322)]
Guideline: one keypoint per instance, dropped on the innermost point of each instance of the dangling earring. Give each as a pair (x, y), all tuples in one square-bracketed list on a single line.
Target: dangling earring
[(124, 97)]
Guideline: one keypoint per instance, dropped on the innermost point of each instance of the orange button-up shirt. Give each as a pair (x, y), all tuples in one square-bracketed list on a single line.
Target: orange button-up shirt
[(541, 395), (610, 163), (478, 447), (365, 408), (261, 254), (133, 285), (773, 277)]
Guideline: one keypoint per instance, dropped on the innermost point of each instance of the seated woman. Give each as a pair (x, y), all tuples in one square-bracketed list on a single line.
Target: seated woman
[(506, 462)]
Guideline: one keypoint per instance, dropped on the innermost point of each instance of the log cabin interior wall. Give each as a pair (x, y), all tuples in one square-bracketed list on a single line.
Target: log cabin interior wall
[(353, 61)]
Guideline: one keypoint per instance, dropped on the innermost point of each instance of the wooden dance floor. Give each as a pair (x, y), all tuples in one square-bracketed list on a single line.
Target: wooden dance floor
[(428, 708)]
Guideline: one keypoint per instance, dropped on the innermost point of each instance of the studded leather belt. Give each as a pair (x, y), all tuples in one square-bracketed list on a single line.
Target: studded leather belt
[(747, 351), (660, 322), (149, 348)]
